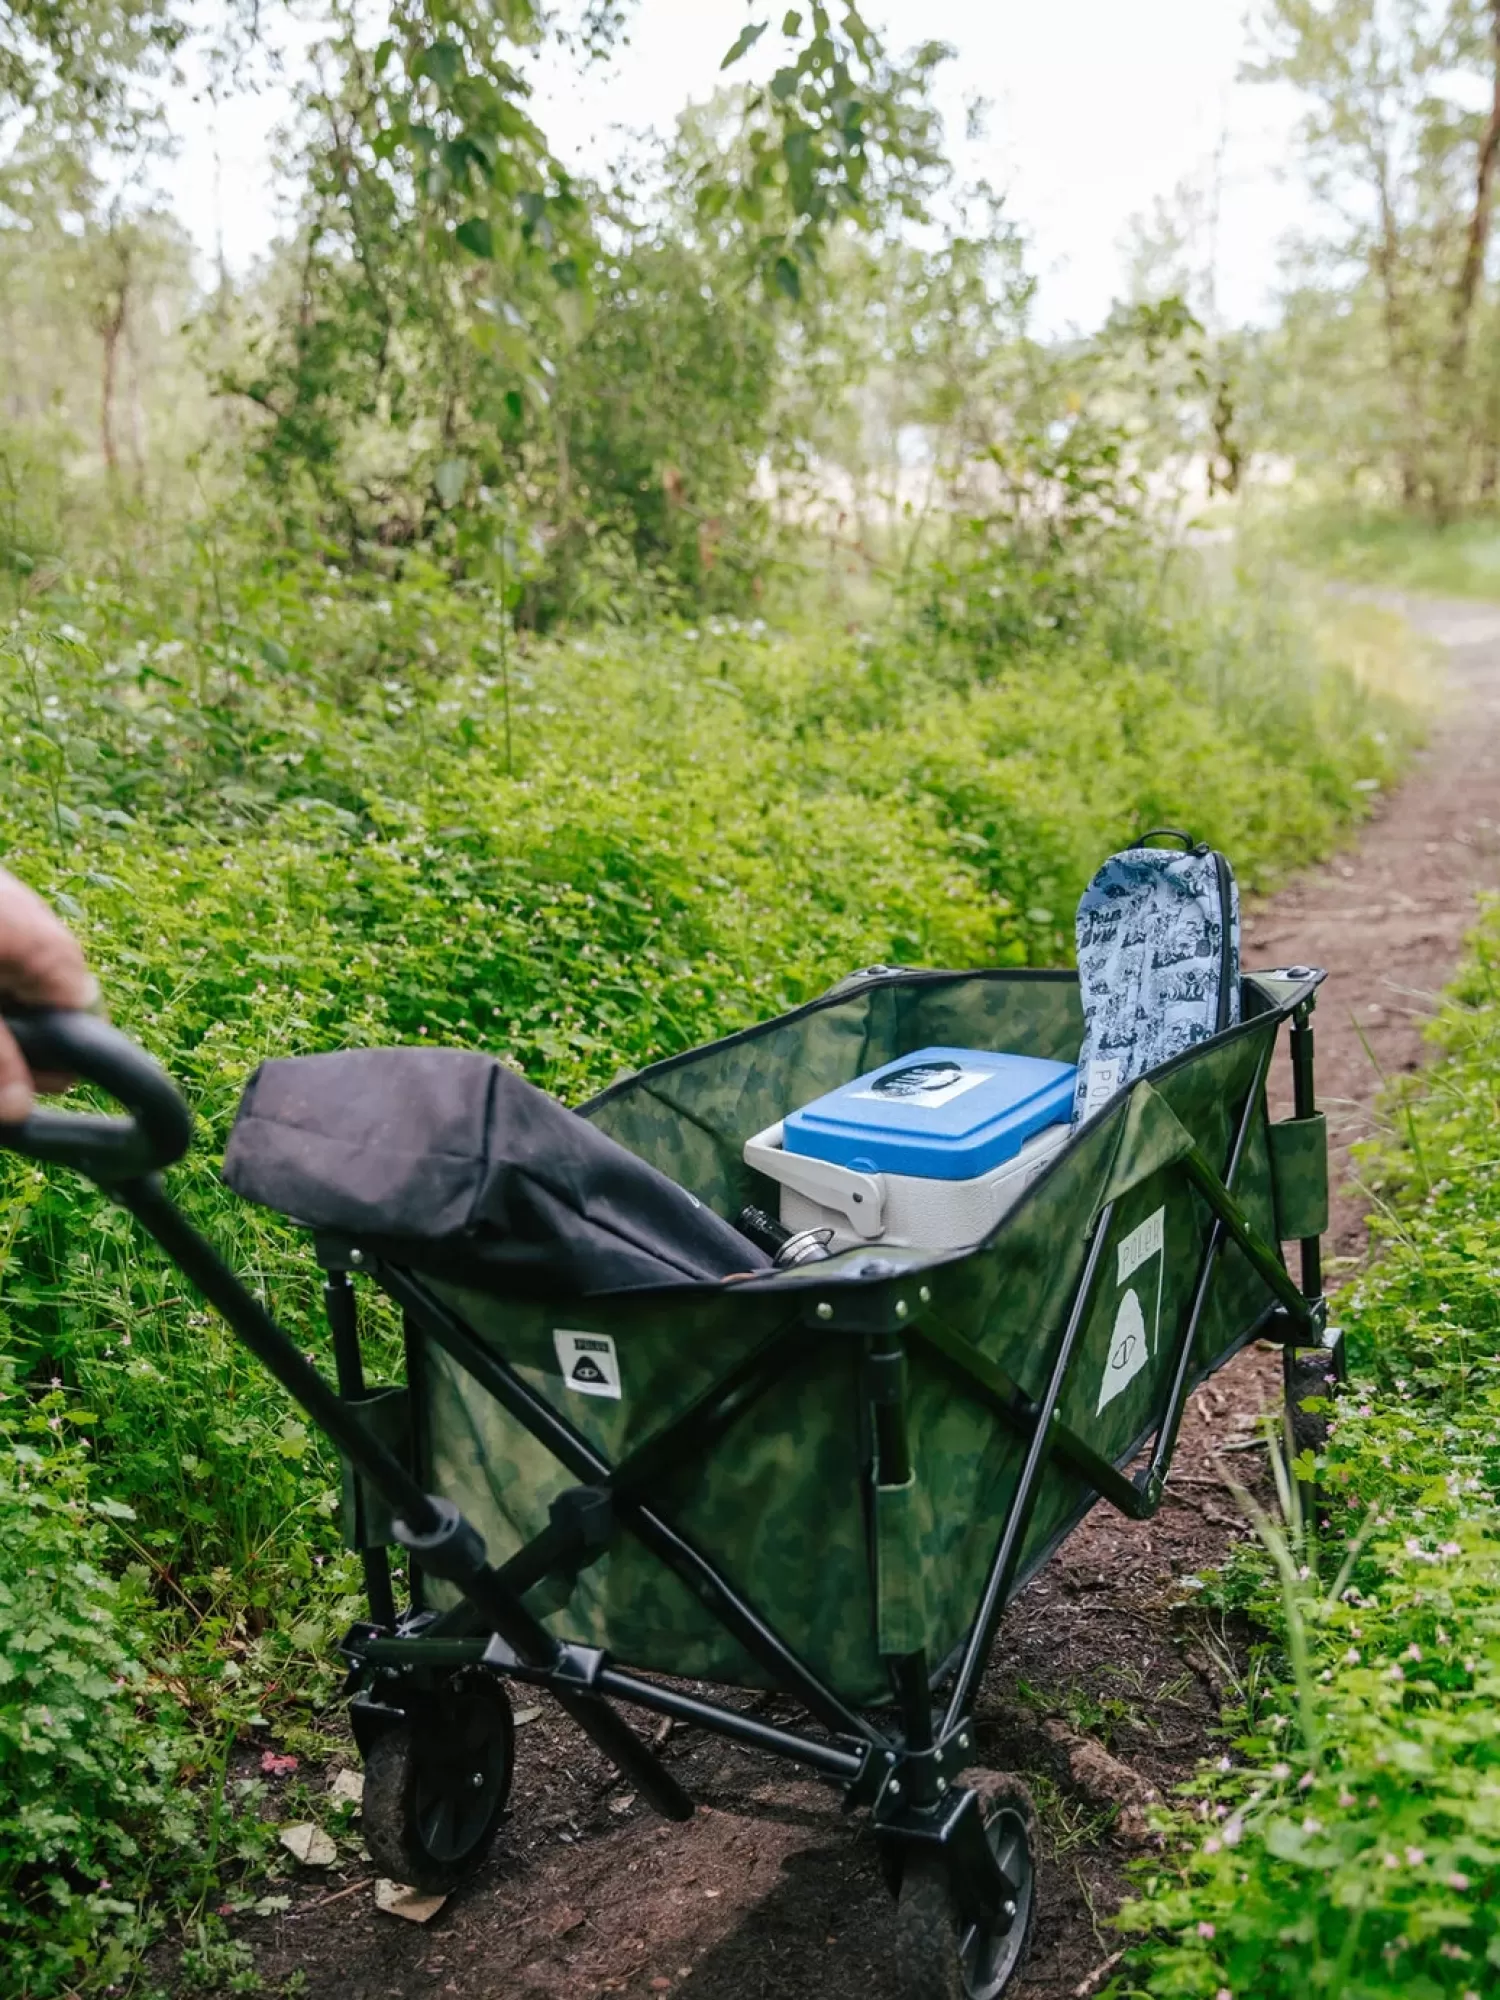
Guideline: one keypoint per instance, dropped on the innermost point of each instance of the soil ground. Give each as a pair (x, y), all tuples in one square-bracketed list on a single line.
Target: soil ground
[(770, 1893)]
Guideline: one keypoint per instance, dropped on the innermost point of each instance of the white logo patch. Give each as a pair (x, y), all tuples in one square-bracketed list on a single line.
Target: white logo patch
[(1129, 1345), (925, 1086), (1102, 1083), (1146, 1241), (1127, 1349), (589, 1363)]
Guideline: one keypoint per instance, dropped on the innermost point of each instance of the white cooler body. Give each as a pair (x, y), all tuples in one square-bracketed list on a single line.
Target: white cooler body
[(897, 1208)]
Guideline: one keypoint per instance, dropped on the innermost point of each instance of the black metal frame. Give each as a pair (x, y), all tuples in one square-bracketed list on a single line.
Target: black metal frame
[(908, 1774)]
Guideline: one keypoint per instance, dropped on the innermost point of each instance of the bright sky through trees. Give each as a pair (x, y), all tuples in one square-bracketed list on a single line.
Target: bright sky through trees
[(1095, 111)]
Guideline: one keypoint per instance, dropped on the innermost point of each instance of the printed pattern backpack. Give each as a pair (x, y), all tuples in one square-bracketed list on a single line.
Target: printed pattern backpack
[(1158, 961)]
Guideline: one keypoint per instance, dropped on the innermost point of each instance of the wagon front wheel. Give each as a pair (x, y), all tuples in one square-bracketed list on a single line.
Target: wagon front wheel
[(436, 1785), (945, 1953)]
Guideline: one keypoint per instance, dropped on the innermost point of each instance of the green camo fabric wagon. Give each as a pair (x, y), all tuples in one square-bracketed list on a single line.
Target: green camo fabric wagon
[(828, 1481)]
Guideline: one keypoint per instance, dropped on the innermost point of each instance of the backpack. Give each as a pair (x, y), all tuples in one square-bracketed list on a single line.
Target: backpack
[(1158, 961)]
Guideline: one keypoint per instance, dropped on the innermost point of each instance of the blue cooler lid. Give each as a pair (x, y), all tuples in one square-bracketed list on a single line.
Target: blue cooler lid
[(937, 1115)]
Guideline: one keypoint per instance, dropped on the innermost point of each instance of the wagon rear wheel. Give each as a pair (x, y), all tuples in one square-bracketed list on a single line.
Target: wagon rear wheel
[(943, 1953), (436, 1785), (1306, 1377)]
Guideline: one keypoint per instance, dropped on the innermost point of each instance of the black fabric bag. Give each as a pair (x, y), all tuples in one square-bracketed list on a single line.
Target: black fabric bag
[(445, 1160)]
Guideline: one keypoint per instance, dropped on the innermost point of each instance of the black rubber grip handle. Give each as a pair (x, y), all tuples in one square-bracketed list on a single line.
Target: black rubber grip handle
[(158, 1130)]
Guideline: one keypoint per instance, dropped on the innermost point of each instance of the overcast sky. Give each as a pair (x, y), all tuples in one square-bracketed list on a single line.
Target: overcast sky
[(1097, 107)]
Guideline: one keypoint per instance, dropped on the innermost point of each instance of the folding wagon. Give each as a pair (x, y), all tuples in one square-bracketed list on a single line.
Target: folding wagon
[(827, 1481)]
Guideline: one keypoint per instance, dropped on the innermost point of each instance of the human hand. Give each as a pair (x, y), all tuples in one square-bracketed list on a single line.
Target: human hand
[(41, 965)]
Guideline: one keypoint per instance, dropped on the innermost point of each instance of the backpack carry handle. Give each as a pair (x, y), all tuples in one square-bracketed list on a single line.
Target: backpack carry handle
[(157, 1131), (1190, 846)]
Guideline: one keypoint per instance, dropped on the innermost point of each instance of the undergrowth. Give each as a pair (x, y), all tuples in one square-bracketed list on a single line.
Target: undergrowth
[(288, 810), (1396, 551), (1348, 1840)]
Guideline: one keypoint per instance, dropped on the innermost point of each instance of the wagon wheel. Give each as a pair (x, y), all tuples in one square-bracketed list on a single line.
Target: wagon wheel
[(1304, 1376), (436, 1785), (942, 1955)]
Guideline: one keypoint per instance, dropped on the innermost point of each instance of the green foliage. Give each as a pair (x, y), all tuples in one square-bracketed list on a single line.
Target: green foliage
[(77, 64), (839, 132), (1383, 373), (89, 1746), (1350, 1843), (274, 802), (1396, 552)]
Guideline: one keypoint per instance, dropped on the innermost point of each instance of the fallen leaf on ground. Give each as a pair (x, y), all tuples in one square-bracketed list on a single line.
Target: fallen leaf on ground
[(622, 1804), (348, 1787), (310, 1844), (397, 1899), (525, 1715)]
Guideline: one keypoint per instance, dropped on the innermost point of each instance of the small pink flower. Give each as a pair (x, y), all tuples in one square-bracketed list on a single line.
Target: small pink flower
[(1205, 1930), (1415, 1857), (1458, 1880)]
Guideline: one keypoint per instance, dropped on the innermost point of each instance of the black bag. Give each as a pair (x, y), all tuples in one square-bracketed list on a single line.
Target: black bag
[(445, 1160)]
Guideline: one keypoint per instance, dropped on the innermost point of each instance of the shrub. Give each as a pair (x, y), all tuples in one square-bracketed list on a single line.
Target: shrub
[(88, 1746), (1349, 1841)]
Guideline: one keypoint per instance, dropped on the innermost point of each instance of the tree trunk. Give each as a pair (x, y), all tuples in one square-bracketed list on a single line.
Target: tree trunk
[(1464, 431), (1479, 219), (1411, 451), (110, 330)]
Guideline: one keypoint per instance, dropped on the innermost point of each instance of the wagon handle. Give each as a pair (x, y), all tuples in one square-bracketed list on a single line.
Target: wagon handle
[(125, 1155), (157, 1130)]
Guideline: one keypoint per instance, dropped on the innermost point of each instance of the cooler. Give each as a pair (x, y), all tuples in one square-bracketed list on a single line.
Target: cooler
[(928, 1151)]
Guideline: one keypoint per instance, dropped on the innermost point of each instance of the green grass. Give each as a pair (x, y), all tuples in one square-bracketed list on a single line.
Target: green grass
[(1348, 1842), (1398, 552)]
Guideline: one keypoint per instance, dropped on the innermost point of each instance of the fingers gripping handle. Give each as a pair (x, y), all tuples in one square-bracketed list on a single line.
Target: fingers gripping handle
[(156, 1132)]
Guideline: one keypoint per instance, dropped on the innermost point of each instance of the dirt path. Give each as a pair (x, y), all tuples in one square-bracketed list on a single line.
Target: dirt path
[(770, 1894)]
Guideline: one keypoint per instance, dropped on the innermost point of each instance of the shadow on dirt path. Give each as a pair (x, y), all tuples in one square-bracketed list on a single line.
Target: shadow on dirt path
[(770, 1894)]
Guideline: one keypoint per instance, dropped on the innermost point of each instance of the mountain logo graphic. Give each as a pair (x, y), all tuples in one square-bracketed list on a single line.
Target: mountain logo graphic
[(588, 1362)]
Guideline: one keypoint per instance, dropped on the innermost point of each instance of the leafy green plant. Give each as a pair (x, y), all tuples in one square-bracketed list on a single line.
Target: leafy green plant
[(90, 1744), (1348, 1842)]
